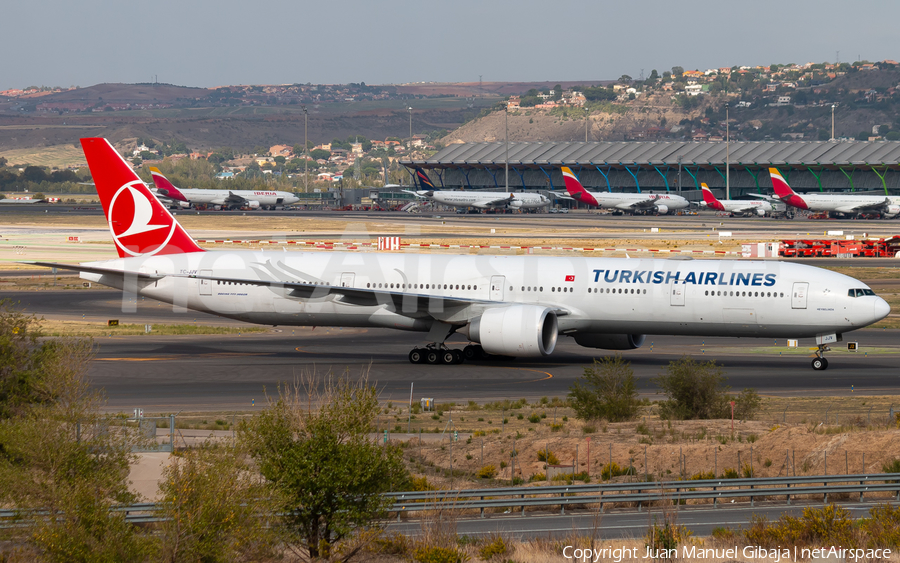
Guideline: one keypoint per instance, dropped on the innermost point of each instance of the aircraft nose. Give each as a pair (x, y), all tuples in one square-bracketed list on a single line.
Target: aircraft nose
[(881, 309)]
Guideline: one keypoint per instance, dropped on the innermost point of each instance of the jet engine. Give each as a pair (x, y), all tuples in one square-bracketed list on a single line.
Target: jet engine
[(610, 341), (253, 204), (761, 212), (517, 330), (662, 209), (516, 203), (892, 210)]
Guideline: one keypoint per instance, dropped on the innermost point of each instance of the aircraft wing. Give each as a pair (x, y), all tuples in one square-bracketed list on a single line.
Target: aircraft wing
[(423, 195), (642, 204), (561, 195), (865, 207), (141, 276), (234, 199), (499, 202)]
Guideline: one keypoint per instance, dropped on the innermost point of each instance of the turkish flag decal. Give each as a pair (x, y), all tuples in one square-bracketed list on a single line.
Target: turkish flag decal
[(570, 278)]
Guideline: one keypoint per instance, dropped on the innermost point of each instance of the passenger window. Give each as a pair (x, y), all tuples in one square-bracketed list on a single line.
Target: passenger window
[(541, 288)]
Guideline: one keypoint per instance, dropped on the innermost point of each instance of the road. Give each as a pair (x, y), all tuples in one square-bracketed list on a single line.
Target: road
[(230, 372), (619, 524)]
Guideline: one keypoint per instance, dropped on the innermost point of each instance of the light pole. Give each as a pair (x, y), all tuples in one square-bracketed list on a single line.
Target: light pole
[(305, 150), (409, 109), (727, 156), (587, 123), (679, 174), (506, 161), (832, 122)]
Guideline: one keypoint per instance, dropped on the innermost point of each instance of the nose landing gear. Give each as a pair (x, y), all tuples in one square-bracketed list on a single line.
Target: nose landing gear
[(819, 363)]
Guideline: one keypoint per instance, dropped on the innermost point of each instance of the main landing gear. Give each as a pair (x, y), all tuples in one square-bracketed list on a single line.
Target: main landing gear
[(819, 363), (439, 354)]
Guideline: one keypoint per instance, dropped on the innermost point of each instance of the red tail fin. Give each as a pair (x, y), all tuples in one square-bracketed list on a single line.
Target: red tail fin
[(575, 189), (139, 224), (784, 191), (163, 183), (710, 198)]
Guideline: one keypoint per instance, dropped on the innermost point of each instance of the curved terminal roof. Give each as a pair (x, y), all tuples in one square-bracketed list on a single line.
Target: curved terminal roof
[(826, 154)]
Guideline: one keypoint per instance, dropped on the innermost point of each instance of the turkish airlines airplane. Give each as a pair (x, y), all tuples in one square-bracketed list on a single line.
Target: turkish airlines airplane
[(735, 206), (477, 199), (227, 199), (887, 207), (631, 203), (503, 305)]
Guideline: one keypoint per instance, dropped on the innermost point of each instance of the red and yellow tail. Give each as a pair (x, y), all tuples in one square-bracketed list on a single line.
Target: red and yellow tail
[(140, 225), (166, 187), (710, 198), (575, 189)]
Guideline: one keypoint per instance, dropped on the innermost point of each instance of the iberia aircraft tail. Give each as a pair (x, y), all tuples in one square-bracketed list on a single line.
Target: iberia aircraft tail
[(575, 189), (138, 222), (711, 201), (163, 184), (784, 192)]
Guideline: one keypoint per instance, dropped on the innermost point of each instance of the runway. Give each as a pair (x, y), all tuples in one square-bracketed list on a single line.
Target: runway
[(233, 372)]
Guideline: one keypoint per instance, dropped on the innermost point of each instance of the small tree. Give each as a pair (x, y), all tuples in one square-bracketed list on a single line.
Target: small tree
[(216, 508), (313, 445), (696, 390), (607, 390)]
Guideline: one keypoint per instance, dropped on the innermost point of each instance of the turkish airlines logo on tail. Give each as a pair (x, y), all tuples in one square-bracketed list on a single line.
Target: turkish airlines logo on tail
[(131, 216)]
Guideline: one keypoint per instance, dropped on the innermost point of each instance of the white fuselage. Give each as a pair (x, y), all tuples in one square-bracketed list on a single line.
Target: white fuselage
[(848, 204), (608, 295), (744, 206), (220, 197), (629, 202), (481, 200)]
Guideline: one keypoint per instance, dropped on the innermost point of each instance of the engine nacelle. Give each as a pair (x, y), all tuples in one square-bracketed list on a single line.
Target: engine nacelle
[(610, 341), (518, 330), (662, 209), (761, 212), (516, 203), (892, 210), (253, 204)]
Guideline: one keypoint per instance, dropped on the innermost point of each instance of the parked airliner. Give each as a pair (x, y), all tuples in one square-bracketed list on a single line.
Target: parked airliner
[(629, 203), (477, 198), (227, 199), (735, 206), (840, 204), (503, 305)]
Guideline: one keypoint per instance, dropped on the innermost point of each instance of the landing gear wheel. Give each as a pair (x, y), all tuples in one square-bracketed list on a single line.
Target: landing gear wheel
[(472, 352), (432, 357), (448, 357), (458, 357), (416, 356), (819, 364)]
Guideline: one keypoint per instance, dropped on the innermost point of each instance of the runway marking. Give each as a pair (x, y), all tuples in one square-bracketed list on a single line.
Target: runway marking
[(547, 373), (186, 356)]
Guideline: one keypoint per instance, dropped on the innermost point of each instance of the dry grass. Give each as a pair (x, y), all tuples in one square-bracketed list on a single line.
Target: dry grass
[(82, 328), (56, 156)]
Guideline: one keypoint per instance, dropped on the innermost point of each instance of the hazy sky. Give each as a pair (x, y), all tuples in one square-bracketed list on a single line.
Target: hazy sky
[(207, 43)]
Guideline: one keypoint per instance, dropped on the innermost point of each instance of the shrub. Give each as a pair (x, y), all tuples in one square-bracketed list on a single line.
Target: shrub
[(666, 536), (534, 419), (496, 547), (830, 525), (607, 389), (611, 470), (703, 476), (556, 427), (487, 472), (695, 390), (729, 473), (538, 477), (429, 554), (892, 466), (548, 457), (747, 404), (588, 429)]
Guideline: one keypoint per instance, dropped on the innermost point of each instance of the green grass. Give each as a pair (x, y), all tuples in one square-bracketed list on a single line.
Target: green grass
[(87, 329)]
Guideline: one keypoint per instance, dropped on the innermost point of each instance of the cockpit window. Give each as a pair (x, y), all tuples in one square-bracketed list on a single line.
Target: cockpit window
[(859, 292)]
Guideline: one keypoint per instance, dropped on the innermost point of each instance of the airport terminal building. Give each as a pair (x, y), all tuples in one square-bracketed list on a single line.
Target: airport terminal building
[(851, 166)]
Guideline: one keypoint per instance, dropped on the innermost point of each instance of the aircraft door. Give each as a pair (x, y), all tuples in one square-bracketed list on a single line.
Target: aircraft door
[(497, 283), (798, 295), (205, 285), (676, 294), (347, 279)]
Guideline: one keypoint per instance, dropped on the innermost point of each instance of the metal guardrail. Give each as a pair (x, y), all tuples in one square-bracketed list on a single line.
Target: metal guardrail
[(575, 495), (644, 493)]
